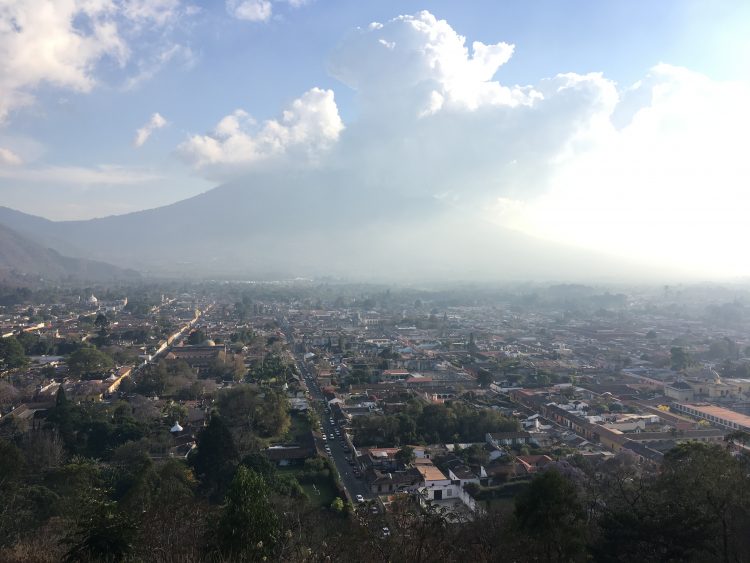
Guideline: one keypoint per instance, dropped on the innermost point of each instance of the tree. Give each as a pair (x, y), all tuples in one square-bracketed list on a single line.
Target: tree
[(680, 359), (549, 516), (405, 455), (216, 457), (714, 486), (89, 362), (249, 527), (484, 378), (104, 533), (61, 399), (11, 463), (175, 412), (196, 337), (11, 353), (243, 407), (697, 508), (101, 321), (153, 380)]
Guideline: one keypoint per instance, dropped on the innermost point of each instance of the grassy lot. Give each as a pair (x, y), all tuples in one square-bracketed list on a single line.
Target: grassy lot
[(501, 497), (321, 492)]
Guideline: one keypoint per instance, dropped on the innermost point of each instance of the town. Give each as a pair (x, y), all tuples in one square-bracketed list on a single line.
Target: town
[(377, 405)]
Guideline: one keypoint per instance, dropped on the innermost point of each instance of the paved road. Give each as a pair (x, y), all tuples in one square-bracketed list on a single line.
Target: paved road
[(354, 486)]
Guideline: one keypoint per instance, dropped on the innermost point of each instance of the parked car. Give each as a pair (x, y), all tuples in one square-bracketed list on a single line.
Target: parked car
[(360, 498)]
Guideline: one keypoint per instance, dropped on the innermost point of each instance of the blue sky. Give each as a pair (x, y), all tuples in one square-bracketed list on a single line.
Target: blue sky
[(67, 136)]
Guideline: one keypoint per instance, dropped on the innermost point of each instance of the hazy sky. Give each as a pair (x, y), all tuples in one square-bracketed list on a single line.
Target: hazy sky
[(614, 125)]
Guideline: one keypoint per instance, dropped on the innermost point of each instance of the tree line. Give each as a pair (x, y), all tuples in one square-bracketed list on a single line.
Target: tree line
[(421, 423)]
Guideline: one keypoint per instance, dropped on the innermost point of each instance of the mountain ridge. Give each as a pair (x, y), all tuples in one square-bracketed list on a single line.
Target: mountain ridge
[(22, 257), (315, 224)]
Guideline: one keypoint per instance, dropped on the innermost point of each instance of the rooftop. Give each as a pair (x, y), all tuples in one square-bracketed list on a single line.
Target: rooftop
[(428, 471), (720, 412)]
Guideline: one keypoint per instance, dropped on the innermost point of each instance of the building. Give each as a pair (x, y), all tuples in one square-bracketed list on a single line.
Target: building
[(718, 416), (501, 439), (679, 391)]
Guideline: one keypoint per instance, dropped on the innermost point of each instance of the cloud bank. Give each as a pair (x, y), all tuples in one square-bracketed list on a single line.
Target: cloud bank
[(653, 171)]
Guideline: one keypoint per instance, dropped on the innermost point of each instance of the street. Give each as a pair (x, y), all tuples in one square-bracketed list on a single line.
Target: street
[(353, 485)]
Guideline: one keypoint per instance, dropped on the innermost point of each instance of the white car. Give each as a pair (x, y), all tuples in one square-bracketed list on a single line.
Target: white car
[(360, 498)]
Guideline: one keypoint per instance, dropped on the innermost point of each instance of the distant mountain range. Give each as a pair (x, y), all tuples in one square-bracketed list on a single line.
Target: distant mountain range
[(313, 224), (22, 258)]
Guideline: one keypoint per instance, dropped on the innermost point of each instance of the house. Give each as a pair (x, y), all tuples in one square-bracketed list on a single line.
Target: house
[(381, 459), (533, 463), (292, 454), (288, 455), (434, 483), (390, 482), (463, 474), (437, 489), (501, 439)]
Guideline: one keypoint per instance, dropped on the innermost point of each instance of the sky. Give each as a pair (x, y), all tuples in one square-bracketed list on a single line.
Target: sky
[(616, 126)]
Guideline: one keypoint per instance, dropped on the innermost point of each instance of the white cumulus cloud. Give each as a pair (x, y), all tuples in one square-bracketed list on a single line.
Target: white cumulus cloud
[(142, 134), (259, 10), (250, 10), (9, 158), (419, 59), (45, 42), (61, 43), (307, 128), (151, 12)]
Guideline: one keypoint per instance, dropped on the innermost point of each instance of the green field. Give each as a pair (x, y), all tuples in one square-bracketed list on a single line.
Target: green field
[(321, 492)]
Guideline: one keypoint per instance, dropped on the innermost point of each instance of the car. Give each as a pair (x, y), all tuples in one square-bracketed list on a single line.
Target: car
[(374, 509), (360, 498), (385, 532), (332, 437), (324, 437)]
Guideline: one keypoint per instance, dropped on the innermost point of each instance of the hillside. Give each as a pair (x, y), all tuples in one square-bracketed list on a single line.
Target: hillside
[(22, 257)]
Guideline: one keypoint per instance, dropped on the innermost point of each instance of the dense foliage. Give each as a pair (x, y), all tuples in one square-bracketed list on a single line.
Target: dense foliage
[(86, 486), (429, 424)]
